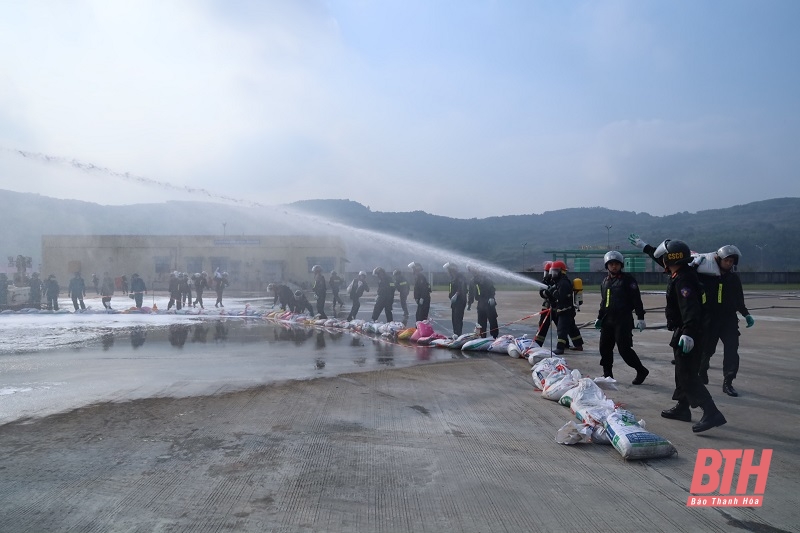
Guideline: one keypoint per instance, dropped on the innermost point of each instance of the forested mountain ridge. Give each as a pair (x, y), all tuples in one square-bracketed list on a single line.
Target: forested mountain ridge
[(766, 231)]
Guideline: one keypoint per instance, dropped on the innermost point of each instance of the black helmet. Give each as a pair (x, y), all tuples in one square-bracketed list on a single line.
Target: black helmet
[(396, 272), (298, 293), (378, 270), (674, 252)]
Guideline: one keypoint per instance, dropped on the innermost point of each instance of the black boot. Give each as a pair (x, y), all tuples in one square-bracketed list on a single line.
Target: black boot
[(712, 417), (640, 375), (704, 376), (607, 373), (727, 387), (679, 412)]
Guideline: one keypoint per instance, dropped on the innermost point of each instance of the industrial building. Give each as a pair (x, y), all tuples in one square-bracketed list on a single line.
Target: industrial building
[(250, 261)]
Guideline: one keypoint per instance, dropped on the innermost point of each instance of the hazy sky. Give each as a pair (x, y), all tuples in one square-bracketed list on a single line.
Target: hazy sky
[(459, 108)]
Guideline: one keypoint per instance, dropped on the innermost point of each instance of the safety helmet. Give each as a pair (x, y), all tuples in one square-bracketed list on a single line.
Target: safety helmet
[(729, 250), (298, 293), (316, 269), (415, 267), (362, 274), (333, 273), (450, 266), (396, 272), (674, 252), (558, 265), (271, 287), (378, 270), (613, 255), (472, 268)]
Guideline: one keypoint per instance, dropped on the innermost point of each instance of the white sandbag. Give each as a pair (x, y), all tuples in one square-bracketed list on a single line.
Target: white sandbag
[(478, 345), (600, 435), (632, 441), (519, 346), (554, 387), (543, 368), (500, 345), (572, 433), (589, 403), (706, 263), (578, 388), (606, 383), (537, 355)]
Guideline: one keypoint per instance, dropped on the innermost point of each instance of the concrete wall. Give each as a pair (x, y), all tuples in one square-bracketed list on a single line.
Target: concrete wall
[(251, 261)]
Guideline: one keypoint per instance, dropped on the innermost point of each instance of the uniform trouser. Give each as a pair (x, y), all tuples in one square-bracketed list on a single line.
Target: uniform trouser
[(567, 330), (688, 387), (187, 298), (424, 309), (458, 317), (174, 299), (336, 298), (36, 301), (199, 299), (544, 326), (487, 313), (618, 331), (354, 309), (52, 303), (382, 304), (219, 299), (321, 306), (404, 303), (728, 332), (75, 300), (107, 302), (138, 297)]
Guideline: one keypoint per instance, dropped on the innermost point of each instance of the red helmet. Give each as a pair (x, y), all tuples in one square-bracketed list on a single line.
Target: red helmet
[(547, 266), (560, 265)]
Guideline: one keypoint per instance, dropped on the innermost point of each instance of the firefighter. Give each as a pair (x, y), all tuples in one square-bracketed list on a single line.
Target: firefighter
[(51, 291), (482, 292), (684, 313), (36, 291), (3, 288), (422, 291), (355, 291), (385, 296), (562, 309), (319, 288), (724, 297), (457, 295), (283, 295), (77, 290), (335, 282), (619, 299), (544, 315), (175, 291), (401, 284), (302, 303), (219, 286), (138, 289)]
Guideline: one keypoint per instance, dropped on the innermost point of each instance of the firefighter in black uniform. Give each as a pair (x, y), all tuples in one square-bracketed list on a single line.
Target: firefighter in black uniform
[(619, 298), (356, 290), (562, 309), (77, 290), (457, 295), (544, 314), (401, 284), (724, 297), (335, 282), (302, 303), (174, 289), (422, 291), (283, 295), (482, 292), (684, 312), (385, 296), (36, 291), (319, 287)]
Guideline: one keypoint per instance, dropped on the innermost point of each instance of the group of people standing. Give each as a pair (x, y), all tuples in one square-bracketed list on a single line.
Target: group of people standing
[(703, 295), (181, 285)]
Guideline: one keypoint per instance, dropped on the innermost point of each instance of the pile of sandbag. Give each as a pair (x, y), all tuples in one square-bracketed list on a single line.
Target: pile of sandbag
[(597, 418)]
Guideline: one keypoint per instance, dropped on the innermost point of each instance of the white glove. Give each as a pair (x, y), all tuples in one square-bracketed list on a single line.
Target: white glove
[(453, 299), (640, 325), (636, 241), (686, 343), (419, 301), (492, 303)]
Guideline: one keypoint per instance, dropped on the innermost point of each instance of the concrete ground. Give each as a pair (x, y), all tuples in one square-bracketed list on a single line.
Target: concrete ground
[(464, 445)]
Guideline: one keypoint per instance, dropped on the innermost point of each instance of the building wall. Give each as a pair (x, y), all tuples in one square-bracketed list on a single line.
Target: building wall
[(251, 261)]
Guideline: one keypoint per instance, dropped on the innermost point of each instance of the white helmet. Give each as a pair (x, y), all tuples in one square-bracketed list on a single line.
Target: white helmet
[(378, 270), (730, 250), (362, 274), (613, 255), (450, 266), (316, 269), (415, 267)]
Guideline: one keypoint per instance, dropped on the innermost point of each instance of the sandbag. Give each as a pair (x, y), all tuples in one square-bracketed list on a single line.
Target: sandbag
[(543, 368), (572, 433), (500, 344), (478, 345), (554, 388), (406, 333), (519, 346), (632, 441), (424, 329)]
